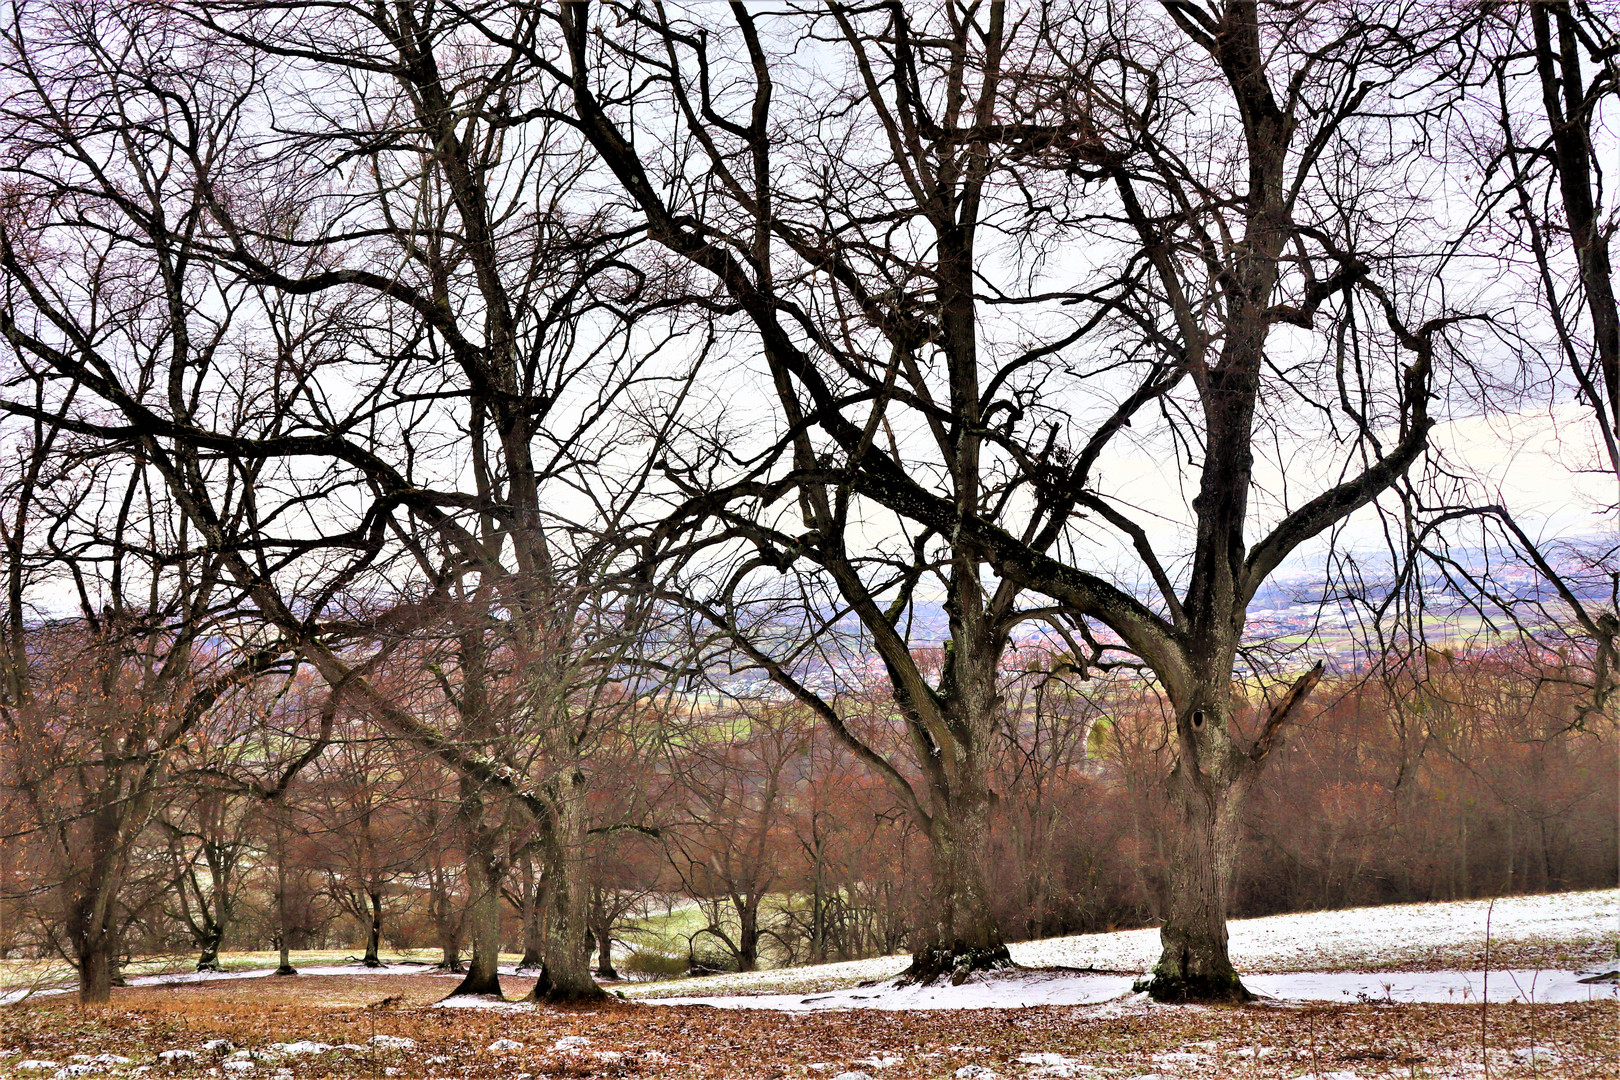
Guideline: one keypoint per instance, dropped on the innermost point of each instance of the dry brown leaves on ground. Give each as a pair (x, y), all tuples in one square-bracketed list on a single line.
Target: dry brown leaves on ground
[(625, 1040)]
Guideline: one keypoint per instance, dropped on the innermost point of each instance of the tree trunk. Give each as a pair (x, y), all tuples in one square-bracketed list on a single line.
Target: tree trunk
[(213, 935), (92, 926), (958, 933), (604, 953), (1207, 789), (96, 963), (534, 903), (1203, 847), (818, 918), (483, 898), (283, 948), (484, 924), (748, 933), (374, 931), (450, 947), (566, 973)]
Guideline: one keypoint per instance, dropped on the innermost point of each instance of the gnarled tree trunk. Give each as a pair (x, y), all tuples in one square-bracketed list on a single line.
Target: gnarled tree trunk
[(604, 953), (485, 867), (1203, 847), (373, 957), (1207, 789), (566, 973), (957, 934)]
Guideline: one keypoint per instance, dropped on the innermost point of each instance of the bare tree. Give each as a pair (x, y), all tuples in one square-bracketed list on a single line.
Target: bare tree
[(444, 355), (736, 767), (981, 259)]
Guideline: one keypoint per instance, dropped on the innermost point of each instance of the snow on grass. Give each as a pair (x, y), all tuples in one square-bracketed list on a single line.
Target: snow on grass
[(1357, 939), (997, 990), (484, 1001), (1025, 988), (1436, 987)]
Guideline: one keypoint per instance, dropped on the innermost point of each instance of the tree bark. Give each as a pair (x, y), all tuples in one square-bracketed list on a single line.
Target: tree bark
[(604, 953), (447, 926), (208, 960), (1194, 964), (283, 948), (747, 932), (484, 872), (534, 902), (373, 956), (957, 935), (565, 975), (92, 928), (96, 963)]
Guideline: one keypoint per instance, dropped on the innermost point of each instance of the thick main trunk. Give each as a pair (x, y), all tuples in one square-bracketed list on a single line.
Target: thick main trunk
[(283, 955), (484, 924), (748, 934), (283, 931), (450, 950), (484, 899), (373, 956), (447, 925), (208, 959), (604, 954), (96, 963), (565, 975), (958, 933), (534, 902), (1194, 964)]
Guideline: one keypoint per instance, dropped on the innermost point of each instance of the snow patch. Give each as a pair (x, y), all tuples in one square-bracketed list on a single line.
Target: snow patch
[(299, 1049), (1436, 987), (1055, 1065), (991, 990), (1351, 939), (879, 1061), (484, 1001)]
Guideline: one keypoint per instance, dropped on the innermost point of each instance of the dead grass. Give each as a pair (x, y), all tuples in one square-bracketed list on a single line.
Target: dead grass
[(628, 1040)]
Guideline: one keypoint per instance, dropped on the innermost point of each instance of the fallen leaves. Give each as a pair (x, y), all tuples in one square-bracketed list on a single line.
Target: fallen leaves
[(322, 1028)]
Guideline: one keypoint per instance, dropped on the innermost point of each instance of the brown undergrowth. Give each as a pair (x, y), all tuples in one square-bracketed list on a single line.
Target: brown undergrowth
[(628, 1040)]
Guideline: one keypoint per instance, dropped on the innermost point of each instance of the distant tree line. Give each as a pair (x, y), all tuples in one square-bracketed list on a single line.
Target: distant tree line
[(777, 847)]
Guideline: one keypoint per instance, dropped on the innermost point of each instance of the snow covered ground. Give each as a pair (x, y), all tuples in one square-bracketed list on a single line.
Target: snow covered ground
[(1021, 989), (1393, 938), (1383, 953)]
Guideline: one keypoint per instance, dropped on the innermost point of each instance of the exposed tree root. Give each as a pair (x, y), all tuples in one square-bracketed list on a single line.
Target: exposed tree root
[(1199, 989), (929, 965), (547, 992)]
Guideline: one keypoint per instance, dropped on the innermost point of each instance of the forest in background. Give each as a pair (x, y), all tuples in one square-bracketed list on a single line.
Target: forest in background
[(777, 848)]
